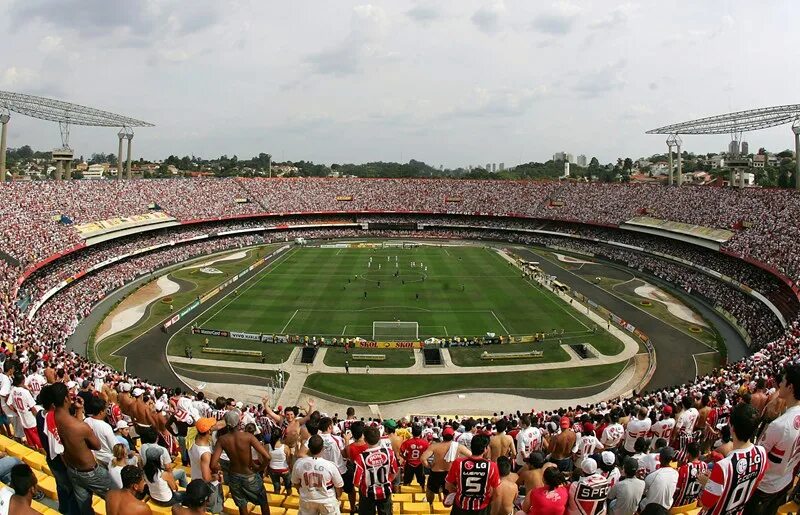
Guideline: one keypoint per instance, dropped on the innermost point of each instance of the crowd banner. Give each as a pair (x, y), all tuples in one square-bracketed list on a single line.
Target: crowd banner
[(268, 338), (210, 332), (363, 344)]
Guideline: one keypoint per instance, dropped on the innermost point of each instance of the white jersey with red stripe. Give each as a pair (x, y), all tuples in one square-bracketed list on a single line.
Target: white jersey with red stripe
[(587, 496), (662, 429), (529, 440), (781, 440), (612, 435), (686, 421), (636, 429), (35, 382), (586, 445), (733, 481), (689, 487)]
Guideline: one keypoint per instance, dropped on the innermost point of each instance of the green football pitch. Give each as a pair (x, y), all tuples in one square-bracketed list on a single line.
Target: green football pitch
[(447, 291)]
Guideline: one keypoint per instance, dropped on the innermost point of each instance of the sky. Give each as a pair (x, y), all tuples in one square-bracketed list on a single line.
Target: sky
[(450, 82)]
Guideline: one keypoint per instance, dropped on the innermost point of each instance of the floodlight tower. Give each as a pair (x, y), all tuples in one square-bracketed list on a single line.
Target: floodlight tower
[(5, 116), (121, 135), (129, 136), (672, 141), (796, 131)]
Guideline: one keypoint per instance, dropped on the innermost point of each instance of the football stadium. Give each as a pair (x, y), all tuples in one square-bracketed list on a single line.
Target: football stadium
[(190, 335)]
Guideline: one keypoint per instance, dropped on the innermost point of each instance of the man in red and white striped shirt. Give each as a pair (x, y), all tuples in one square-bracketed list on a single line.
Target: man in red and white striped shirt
[(734, 479), (375, 469), (474, 480)]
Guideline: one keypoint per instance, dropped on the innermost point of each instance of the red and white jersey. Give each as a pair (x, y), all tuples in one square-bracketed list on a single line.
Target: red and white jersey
[(689, 488), (333, 447), (636, 428), (528, 441), (686, 421), (718, 417), (587, 496), (649, 463), (475, 479), (54, 445), (586, 445), (35, 382), (22, 400), (662, 429), (317, 478), (375, 469), (185, 412), (412, 451), (344, 425), (781, 440), (612, 435), (733, 481), (113, 414)]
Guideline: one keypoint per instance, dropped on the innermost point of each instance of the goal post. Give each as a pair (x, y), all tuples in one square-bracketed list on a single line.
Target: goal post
[(395, 331)]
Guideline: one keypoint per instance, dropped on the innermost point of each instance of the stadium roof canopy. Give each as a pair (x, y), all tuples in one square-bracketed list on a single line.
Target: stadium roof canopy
[(64, 112), (738, 122)]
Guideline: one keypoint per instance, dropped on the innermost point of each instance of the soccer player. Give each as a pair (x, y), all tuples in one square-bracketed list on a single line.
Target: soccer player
[(375, 469), (688, 489), (473, 479), (734, 479), (781, 440)]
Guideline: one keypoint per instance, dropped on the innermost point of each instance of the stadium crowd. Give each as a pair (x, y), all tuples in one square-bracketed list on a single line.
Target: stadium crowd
[(74, 402)]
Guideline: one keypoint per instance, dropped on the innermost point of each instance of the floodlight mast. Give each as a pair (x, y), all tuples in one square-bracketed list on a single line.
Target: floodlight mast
[(66, 114), (736, 124)]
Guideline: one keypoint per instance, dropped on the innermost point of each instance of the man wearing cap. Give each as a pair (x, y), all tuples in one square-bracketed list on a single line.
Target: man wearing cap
[(196, 499), (123, 433), (587, 495), (664, 427), (126, 501), (96, 414), (659, 486), (245, 484), (561, 446), (200, 461), (440, 452), (318, 480), (393, 440)]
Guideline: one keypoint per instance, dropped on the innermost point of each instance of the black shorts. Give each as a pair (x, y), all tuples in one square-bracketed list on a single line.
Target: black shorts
[(347, 479), (436, 481), (410, 472)]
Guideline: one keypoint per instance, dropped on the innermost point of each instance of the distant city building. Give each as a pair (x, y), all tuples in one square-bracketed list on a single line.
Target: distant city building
[(570, 158), (733, 148), (560, 156), (581, 161), (745, 149), (488, 167), (494, 167), (502, 166)]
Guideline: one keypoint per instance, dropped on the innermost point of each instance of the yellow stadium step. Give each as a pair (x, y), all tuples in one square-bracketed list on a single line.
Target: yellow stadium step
[(438, 507), (5, 442), (35, 461), (48, 486), (790, 508), (18, 450), (403, 497), (416, 507), (676, 510), (41, 508), (275, 500), (420, 497), (292, 502), (161, 510), (290, 512), (230, 508), (99, 506), (411, 489)]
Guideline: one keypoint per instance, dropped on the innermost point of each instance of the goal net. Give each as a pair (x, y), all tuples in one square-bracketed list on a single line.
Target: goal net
[(395, 331)]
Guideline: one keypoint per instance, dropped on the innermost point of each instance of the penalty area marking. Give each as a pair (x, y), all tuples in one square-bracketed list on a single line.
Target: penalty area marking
[(501, 323), (283, 331), (344, 330)]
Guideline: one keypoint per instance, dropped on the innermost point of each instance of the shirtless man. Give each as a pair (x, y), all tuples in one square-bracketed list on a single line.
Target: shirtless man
[(49, 373), (531, 475), (79, 441), (440, 466), (289, 422), (561, 446), (126, 500), (502, 444), (759, 398), (506, 492), (245, 484), (133, 406), (17, 499)]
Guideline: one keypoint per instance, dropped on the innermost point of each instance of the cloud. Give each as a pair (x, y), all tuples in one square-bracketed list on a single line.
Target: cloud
[(633, 111), (601, 81), (368, 29), (558, 20), (487, 18), (51, 44), (505, 102), (616, 17), (18, 78), (424, 13), (121, 23)]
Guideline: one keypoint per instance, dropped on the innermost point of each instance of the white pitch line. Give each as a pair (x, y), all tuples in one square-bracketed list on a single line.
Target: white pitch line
[(501, 323), (283, 331), (344, 330), (337, 252), (445, 251), (445, 330)]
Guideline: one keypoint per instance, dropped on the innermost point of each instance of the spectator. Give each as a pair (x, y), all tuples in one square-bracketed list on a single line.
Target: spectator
[(318, 480), (589, 493), (549, 499), (375, 470), (127, 501), (660, 486), (624, 497), (17, 498)]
